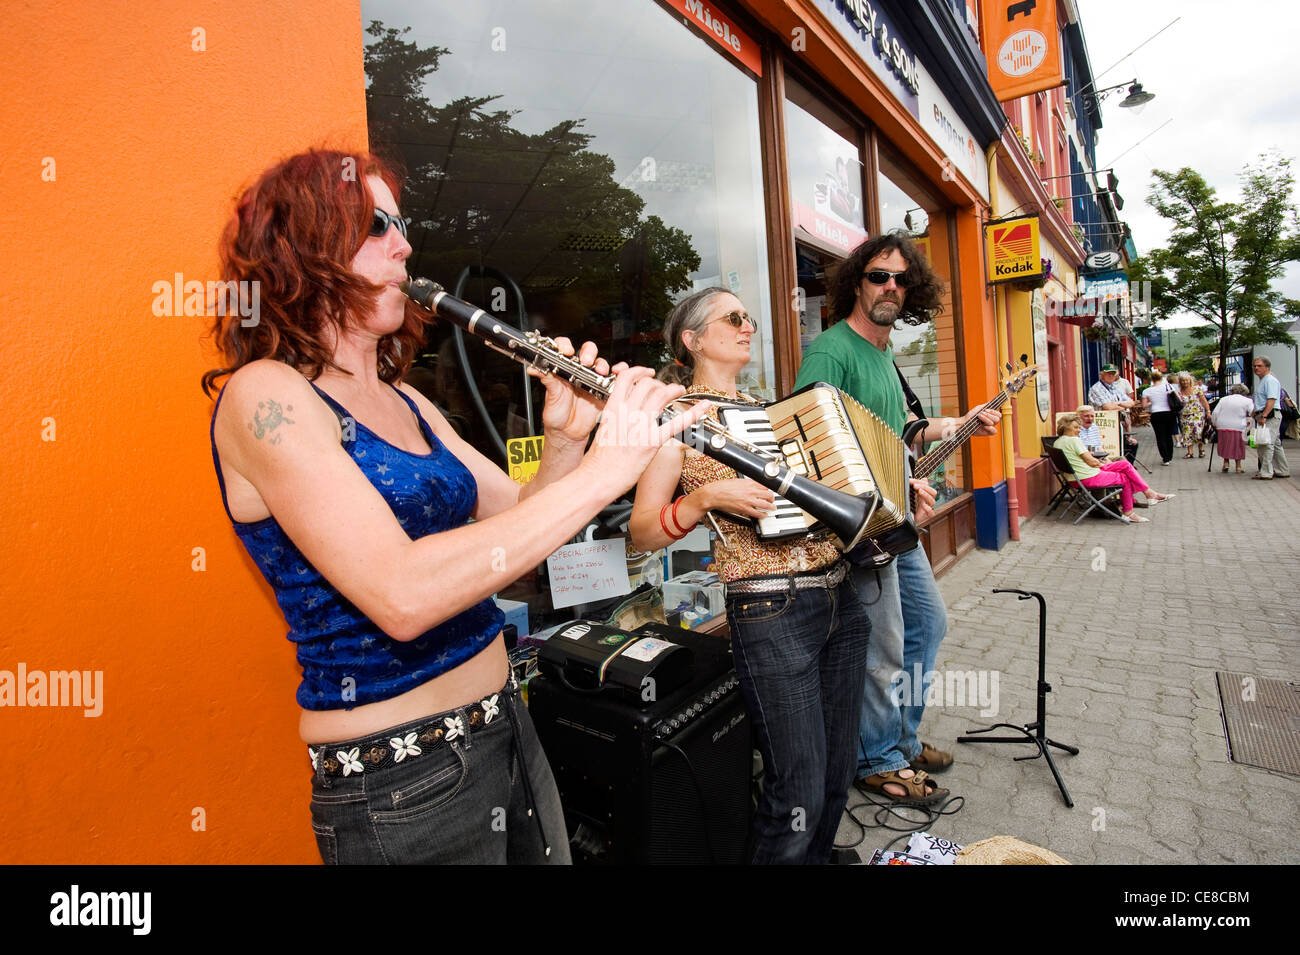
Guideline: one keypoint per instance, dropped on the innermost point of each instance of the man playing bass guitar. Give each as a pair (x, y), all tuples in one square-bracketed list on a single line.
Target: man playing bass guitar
[(884, 280)]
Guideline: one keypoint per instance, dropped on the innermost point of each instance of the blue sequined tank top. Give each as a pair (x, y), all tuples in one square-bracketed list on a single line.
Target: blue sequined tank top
[(346, 659)]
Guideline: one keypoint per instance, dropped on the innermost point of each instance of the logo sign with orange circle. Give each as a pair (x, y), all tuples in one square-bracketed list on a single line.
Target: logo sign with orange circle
[(1013, 249), (1023, 46)]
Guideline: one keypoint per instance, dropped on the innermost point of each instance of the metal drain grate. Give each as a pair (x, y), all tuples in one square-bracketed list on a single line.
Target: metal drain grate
[(1263, 721)]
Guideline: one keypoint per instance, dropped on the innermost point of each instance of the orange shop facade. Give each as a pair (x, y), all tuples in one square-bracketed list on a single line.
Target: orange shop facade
[(584, 168), (596, 161)]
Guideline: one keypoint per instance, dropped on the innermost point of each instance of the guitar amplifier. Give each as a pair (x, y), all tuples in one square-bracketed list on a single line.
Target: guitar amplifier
[(667, 783)]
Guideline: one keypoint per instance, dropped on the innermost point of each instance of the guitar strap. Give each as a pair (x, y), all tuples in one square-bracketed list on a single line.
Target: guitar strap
[(909, 396), (912, 428)]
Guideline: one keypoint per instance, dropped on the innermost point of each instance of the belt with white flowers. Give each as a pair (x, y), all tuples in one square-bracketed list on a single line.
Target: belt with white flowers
[(370, 754)]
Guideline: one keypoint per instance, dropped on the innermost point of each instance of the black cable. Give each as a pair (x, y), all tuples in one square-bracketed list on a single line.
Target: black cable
[(880, 589), (884, 810), (699, 794)]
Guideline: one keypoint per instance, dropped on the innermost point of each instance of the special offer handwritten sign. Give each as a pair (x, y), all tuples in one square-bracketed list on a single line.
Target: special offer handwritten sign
[(588, 572)]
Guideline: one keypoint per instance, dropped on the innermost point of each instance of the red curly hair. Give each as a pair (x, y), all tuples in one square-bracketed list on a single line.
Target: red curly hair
[(295, 232)]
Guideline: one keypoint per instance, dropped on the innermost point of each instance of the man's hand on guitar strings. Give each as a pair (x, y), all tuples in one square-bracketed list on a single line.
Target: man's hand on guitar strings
[(989, 419), (923, 496)]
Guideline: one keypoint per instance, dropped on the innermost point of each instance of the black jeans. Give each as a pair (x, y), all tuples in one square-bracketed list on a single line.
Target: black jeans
[(801, 658), (1164, 423), (464, 801)]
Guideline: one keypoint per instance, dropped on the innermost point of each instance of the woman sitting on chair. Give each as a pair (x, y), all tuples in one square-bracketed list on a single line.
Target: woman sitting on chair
[(1092, 473)]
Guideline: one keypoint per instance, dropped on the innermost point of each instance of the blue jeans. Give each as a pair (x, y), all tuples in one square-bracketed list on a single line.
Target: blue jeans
[(463, 801), (908, 622), (801, 658)]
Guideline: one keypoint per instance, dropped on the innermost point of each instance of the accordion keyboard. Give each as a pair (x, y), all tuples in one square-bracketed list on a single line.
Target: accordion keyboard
[(752, 425)]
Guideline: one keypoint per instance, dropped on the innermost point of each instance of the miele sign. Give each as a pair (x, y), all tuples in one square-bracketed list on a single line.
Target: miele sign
[(868, 22)]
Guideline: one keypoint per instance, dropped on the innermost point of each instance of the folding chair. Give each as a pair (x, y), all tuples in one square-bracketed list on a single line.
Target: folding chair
[(1064, 492), (1079, 495)]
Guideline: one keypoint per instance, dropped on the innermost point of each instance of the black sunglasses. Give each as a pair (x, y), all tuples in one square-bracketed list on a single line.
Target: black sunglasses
[(880, 277), (382, 220), (736, 320)]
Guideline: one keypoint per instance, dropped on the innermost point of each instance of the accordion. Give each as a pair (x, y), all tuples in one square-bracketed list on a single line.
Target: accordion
[(828, 437)]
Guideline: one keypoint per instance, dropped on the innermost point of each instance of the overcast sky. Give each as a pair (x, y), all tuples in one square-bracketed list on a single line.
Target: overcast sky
[(1226, 74)]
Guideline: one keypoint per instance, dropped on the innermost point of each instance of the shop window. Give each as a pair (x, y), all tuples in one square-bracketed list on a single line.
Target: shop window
[(927, 354), (574, 169), (826, 200)]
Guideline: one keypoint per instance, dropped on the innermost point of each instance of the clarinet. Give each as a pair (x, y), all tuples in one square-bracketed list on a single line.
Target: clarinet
[(844, 515)]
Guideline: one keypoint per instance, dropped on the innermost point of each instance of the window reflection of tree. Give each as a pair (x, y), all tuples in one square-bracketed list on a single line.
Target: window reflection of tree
[(542, 207)]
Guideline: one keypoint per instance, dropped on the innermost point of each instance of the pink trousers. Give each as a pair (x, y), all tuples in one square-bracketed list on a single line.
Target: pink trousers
[(1125, 475)]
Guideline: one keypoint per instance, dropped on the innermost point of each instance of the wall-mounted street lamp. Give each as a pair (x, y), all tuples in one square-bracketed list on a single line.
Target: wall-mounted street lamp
[(1137, 96)]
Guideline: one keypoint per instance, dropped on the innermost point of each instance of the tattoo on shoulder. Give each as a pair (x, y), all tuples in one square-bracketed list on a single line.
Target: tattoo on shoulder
[(269, 416)]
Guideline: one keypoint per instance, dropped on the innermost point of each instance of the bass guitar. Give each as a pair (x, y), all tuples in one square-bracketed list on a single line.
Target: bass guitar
[(879, 551)]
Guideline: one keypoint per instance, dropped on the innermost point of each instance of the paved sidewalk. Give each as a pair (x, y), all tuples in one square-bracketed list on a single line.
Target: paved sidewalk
[(1134, 638)]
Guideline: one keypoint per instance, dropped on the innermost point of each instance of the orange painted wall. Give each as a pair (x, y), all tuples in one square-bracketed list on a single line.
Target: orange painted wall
[(979, 341), (151, 140)]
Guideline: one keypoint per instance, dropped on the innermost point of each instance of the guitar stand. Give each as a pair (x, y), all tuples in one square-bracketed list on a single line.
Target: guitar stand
[(1035, 732)]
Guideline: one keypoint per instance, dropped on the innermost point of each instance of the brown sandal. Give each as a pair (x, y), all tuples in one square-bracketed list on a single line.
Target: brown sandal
[(931, 760), (920, 789)]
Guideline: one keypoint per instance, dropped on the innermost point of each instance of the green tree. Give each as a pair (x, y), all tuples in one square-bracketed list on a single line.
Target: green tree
[(1223, 257), (927, 346), (542, 205)]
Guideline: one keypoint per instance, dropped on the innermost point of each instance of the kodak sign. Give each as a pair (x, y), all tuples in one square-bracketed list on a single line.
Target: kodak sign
[(1013, 249), (1022, 45)]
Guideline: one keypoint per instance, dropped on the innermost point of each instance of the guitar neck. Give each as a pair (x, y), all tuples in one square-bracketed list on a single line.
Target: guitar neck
[(930, 462)]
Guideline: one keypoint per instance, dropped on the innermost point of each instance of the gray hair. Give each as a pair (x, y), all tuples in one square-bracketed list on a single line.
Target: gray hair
[(691, 314), (1238, 389), (1267, 364)]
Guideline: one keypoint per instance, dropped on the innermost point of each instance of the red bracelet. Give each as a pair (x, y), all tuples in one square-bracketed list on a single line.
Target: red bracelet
[(664, 525), (683, 531)]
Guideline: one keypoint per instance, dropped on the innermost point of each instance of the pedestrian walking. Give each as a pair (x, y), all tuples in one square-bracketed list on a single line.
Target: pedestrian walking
[(1268, 417), (1232, 417), (1196, 411), (1164, 422)]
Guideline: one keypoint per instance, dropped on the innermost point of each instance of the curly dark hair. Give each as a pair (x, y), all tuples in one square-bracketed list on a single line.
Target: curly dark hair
[(295, 232), (924, 289)]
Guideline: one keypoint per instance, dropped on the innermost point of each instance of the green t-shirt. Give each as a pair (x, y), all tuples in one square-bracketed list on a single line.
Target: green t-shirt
[(1072, 446), (841, 357)]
